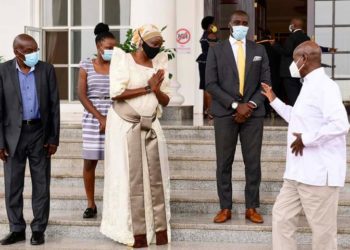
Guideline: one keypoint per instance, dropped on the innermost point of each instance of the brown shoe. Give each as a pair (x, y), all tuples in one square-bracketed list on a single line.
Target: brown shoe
[(162, 237), (223, 216), (140, 241), (252, 215)]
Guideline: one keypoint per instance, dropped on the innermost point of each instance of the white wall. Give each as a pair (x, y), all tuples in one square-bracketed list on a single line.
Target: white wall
[(189, 15), (175, 14), (15, 14)]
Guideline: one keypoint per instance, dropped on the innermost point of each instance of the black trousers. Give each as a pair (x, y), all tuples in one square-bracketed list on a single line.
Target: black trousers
[(292, 87), (226, 136), (31, 147)]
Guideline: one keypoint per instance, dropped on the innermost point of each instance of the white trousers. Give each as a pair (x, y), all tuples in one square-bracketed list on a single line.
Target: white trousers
[(320, 205)]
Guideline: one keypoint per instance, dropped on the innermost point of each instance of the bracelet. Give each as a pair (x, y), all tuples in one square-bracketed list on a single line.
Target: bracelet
[(148, 89)]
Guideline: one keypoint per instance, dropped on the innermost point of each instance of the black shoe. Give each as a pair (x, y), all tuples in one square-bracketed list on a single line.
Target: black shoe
[(13, 237), (90, 213), (38, 238)]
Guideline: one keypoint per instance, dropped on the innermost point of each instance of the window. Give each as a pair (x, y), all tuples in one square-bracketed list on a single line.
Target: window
[(332, 29), (67, 34)]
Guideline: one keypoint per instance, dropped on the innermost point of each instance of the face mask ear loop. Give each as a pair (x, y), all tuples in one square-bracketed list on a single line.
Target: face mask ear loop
[(301, 65)]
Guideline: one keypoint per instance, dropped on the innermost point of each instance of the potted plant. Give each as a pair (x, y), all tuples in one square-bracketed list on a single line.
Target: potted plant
[(128, 47)]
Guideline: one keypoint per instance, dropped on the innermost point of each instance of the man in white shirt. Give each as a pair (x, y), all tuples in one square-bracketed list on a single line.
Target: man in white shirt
[(316, 154)]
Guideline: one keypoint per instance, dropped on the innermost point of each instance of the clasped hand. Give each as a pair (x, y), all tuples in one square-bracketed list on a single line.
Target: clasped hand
[(156, 81), (243, 112)]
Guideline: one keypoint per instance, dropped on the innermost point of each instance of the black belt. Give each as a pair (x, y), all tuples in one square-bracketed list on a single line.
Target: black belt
[(31, 122), (100, 97)]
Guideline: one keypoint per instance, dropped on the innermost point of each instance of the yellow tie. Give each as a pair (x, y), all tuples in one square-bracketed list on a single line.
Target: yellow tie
[(240, 65)]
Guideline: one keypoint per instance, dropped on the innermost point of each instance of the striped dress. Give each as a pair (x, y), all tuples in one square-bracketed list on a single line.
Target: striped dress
[(98, 94)]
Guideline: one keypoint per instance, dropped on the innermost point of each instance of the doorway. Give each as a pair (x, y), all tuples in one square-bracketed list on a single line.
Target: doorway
[(272, 15)]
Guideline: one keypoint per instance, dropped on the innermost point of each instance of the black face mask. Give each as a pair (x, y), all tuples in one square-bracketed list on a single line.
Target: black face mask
[(150, 52)]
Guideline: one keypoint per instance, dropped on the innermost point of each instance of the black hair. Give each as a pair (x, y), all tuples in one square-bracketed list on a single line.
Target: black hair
[(102, 31), (207, 21)]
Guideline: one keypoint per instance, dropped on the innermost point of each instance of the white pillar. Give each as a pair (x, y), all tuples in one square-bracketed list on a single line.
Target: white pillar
[(160, 13), (189, 16)]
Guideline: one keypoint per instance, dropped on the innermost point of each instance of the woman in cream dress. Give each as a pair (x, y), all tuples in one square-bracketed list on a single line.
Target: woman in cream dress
[(138, 82)]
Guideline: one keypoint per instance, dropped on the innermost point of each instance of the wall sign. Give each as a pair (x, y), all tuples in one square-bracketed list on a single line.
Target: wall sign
[(183, 38)]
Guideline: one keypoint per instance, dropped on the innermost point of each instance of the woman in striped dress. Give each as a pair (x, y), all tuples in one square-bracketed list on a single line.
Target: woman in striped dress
[(93, 93)]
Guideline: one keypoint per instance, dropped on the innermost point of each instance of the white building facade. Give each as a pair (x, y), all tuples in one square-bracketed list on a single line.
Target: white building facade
[(64, 32)]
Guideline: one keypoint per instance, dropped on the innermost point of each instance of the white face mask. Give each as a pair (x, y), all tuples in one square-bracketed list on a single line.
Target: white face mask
[(294, 70)]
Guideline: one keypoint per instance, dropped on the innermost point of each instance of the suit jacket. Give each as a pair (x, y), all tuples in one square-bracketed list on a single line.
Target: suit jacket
[(287, 50), (222, 80), (11, 111)]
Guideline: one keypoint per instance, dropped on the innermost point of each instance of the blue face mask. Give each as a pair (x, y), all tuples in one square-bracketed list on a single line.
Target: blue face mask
[(107, 54), (31, 59), (239, 32)]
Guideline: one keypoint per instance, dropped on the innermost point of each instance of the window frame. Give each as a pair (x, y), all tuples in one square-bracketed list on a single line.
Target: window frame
[(333, 26), (70, 29)]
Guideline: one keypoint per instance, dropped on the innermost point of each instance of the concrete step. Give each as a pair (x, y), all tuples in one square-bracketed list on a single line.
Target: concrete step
[(177, 162), (56, 243), (271, 133), (180, 132), (180, 179), (207, 202), (271, 151), (182, 201), (185, 227)]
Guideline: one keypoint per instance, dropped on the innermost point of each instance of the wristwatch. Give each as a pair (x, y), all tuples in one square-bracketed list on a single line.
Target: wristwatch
[(148, 89), (234, 105)]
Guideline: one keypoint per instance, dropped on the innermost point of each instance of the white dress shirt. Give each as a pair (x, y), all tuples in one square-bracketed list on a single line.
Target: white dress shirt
[(234, 46), (320, 116)]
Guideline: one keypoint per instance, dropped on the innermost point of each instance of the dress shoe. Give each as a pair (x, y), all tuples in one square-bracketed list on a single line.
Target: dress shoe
[(223, 216), (38, 238), (90, 213), (162, 238), (13, 237), (140, 241), (252, 215)]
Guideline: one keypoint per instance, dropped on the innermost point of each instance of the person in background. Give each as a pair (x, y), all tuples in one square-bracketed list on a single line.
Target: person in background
[(30, 128), (292, 85), (93, 92), (235, 69), (316, 156), (274, 63), (136, 200), (209, 38)]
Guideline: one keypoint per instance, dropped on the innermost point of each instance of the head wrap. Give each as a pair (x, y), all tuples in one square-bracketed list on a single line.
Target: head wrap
[(147, 32)]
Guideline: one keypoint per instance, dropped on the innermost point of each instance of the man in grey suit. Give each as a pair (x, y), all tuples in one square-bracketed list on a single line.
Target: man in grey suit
[(235, 69), (29, 129)]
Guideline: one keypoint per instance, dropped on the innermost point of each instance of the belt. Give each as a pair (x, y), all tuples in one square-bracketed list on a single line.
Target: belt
[(100, 97), (31, 122)]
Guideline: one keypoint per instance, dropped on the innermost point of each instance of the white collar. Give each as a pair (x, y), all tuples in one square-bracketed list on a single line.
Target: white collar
[(313, 75), (296, 30), (233, 41)]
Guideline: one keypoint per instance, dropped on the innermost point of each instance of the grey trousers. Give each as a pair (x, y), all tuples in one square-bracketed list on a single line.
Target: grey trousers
[(226, 136), (31, 147)]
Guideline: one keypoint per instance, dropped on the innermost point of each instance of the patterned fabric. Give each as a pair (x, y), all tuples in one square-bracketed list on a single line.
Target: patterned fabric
[(98, 93)]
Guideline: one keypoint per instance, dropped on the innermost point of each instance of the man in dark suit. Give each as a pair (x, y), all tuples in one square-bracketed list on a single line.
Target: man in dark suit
[(235, 69), (291, 85), (29, 129)]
